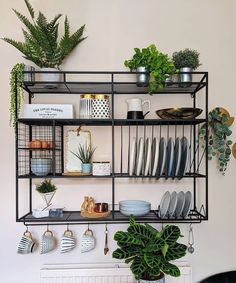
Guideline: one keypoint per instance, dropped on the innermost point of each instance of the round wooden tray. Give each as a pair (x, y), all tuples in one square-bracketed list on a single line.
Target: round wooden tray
[(95, 214)]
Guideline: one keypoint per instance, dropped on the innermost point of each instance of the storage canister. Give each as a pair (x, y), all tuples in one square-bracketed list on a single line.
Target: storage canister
[(101, 107), (102, 168), (85, 106)]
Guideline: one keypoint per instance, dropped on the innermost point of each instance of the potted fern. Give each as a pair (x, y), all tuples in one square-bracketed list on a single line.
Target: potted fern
[(41, 44), (150, 251), (85, 154)]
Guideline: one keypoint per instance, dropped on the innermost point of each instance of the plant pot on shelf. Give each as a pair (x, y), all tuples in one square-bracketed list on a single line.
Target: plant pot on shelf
[(185, 79), (51, 79), (142, 79), (86, 168), (47, 197)]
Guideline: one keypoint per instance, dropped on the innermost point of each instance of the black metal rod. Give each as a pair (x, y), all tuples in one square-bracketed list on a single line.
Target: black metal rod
[(113, 146), (16, 149), (207, 132)]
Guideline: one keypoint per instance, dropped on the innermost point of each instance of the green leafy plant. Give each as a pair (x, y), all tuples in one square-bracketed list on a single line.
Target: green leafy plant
[(16, 83), (41, 44), (159, 65), (219, 144), (149, 250), (46, 187), (84, 153), (186, 58)]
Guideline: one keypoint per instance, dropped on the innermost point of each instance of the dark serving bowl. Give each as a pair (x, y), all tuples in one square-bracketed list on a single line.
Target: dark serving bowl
[(179, 113)]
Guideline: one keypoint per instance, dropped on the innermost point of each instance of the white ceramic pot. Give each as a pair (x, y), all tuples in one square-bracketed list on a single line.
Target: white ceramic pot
[(51, 79), (161, 280)]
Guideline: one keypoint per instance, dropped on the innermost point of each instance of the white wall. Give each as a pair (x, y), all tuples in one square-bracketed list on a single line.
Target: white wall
[(113, 29)]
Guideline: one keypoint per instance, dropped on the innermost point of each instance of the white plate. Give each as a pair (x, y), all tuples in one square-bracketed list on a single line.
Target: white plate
[(169, 157), (155, 158), (164, 205), (180, 204), (173, 204), (132, 157), (161, 158), (148, 159), (184, 157), (140, 156), (187, 204), (177, 157)]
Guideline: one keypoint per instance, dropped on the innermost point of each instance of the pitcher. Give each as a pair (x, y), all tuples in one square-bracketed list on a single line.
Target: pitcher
[(135, 108)]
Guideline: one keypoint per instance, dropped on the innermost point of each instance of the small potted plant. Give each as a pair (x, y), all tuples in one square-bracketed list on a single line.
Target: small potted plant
[(158, 67), (41, 44), (186, 60), (219, 143), (85, 154), (47, 190), (149, 251)]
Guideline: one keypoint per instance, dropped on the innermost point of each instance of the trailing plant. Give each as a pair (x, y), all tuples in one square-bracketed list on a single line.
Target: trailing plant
[(41, 44), (46, 187), (16, 83), (158, 64), (186, 58), (149, 250), (219, 144), (84, 153)]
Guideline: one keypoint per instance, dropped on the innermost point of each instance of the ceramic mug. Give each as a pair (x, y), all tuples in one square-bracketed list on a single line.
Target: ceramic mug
[(26, 244), (88, 241), (67, 242), (48, 242)]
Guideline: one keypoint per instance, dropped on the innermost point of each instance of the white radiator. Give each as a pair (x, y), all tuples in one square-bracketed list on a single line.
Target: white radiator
[(100, 273)]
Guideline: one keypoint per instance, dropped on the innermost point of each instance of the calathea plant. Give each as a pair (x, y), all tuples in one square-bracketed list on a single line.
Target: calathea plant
[(219, 144), (149, 250), (41, 44)]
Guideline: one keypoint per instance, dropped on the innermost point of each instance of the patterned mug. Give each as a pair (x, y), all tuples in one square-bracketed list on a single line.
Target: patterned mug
[(67, 242), (88, 241), (26, 244), (48, 242)]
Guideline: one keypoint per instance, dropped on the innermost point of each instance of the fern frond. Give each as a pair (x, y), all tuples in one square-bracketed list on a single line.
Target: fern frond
[(30, 8)]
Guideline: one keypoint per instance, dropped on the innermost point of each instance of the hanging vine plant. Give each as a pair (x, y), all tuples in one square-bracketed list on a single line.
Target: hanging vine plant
[(219, 143), (16, 83)]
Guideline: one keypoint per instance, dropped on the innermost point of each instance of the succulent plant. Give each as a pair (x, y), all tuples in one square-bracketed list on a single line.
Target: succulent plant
[(46, 187), (84, 153)]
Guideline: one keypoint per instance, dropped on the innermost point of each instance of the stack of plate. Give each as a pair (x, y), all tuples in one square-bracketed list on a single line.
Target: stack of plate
[(159, 158), (175, 205), (134, 207)]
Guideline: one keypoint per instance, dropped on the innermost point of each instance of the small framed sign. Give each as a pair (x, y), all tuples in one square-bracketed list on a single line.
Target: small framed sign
[(48, 111)]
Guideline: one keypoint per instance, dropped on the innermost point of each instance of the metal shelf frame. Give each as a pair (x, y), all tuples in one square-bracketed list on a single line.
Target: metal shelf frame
[(114, 86)]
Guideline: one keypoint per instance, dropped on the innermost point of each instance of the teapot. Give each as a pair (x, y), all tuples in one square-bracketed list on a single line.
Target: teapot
[(135, 108)]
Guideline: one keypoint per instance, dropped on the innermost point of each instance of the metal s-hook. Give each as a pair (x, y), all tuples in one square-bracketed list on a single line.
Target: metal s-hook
[(106, 249), (190, 239)]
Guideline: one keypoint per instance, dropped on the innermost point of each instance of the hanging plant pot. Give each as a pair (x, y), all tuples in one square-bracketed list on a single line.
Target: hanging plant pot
[(50, 79)]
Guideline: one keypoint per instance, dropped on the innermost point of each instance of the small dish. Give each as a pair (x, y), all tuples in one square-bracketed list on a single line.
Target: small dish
[(155, 156), (180, 204), (148, 159), (173, 204), (140, 156), (164, 205), (132, 157), (179, 113), (161, 158), (187, 204), (169, 157), (177, 158)]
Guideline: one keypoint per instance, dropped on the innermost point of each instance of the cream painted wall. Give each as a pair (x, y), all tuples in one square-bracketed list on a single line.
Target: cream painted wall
[(113, 29)]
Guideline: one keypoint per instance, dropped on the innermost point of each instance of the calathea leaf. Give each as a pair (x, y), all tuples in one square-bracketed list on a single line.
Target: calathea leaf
[(154, 245), (152, 261), (176, 251), (164, 249), (142, 231), (138, 267), (170, 234), (125, 237), (170, 269), (121, 254)]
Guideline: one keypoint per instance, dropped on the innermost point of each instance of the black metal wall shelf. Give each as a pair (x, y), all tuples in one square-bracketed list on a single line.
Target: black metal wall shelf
[(114, 84)]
